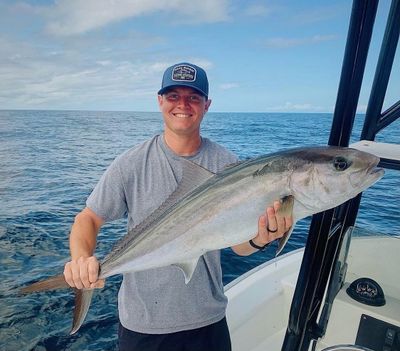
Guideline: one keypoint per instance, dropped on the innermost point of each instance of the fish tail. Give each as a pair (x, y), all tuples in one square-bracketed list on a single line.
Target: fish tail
[(53, 283), (83, 298)]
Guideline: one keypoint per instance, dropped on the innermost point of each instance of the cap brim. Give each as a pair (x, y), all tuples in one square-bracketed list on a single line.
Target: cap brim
[(165, 89)]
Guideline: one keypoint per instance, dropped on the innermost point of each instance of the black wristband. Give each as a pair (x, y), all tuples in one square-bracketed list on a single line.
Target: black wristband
[(261, 248)]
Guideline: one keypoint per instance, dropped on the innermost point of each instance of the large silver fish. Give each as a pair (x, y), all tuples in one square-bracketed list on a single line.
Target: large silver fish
[(214, 211)]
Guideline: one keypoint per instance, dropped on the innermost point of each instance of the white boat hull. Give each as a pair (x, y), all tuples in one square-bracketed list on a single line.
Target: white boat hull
[(259, 302)]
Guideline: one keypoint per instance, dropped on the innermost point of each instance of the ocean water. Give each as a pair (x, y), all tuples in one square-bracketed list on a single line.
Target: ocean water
[(51, 160)]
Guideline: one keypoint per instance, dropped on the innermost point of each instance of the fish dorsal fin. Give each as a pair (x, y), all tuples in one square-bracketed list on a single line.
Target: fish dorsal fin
[(187, 268), (234, 164), (193, 176)]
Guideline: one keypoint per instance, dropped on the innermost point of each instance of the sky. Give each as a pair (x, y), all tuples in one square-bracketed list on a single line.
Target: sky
[(260, 56)]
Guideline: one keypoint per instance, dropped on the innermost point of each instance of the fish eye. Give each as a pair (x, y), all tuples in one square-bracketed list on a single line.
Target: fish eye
[(341, 164)]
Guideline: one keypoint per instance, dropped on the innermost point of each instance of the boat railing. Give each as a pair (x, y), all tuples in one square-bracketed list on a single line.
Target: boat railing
[(328, 229)]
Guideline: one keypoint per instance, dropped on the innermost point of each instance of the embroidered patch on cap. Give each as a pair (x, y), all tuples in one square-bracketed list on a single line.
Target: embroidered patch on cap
[(184, 73)]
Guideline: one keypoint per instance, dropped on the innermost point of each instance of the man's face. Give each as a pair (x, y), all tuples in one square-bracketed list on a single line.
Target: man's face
[(183, 110)]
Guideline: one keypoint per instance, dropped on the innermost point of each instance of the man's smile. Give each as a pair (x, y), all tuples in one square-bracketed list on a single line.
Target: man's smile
[(182, 115)]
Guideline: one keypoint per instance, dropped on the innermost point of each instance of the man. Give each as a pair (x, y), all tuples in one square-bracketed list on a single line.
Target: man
[(157, 310)]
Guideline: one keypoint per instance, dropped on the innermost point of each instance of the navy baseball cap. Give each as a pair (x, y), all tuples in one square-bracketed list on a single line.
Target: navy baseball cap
[(186, 75)]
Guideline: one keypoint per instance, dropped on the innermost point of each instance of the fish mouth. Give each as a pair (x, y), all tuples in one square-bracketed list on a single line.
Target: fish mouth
[(371, 175), (374, 169), (375, 174), (377, 170)]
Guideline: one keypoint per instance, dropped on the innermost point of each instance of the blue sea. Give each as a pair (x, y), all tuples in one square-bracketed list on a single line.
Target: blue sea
[(51, 160)]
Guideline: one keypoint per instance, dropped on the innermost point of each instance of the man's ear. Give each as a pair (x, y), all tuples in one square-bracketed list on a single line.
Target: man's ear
[(208, 103)]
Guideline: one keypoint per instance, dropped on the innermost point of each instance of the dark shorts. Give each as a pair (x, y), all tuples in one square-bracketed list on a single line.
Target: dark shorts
[(214, 337)]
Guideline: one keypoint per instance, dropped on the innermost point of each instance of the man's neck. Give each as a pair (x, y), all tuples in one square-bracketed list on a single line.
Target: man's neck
[(183, 145)]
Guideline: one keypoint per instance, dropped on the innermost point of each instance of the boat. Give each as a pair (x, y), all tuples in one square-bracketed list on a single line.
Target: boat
[(342, 290)]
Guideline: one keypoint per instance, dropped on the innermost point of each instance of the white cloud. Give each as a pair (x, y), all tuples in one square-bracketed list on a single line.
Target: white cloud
[(296, 107), (80, 75), (283, 43), (362, 108), (228, 86), (104, 63), (71, 17)]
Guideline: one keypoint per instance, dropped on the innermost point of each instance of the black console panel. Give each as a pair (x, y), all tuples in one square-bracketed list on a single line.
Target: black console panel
[(378, 335)]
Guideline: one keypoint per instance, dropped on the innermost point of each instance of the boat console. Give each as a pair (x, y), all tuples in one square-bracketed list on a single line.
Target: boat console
[(366, 307), (378, 334)]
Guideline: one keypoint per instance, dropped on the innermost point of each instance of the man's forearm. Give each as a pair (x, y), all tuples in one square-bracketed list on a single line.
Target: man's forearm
[(83, 234), (83, 269)]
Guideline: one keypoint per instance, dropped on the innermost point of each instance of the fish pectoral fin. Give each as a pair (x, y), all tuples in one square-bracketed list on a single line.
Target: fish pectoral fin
[(286, 209), (284, 240), (187, 268), (83, 297), (287, 203)]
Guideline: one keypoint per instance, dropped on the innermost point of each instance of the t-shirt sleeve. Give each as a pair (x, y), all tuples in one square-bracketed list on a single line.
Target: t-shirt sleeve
[(108, 198)]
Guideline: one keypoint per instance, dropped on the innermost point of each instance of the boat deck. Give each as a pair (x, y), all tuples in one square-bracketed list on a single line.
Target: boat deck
[(259, 302)]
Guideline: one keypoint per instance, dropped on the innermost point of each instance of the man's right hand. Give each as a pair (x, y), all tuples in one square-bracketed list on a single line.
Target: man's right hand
[(83, 273)]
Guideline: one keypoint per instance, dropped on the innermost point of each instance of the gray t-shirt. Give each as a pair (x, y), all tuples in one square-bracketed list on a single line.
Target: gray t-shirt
[(158, 301)]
